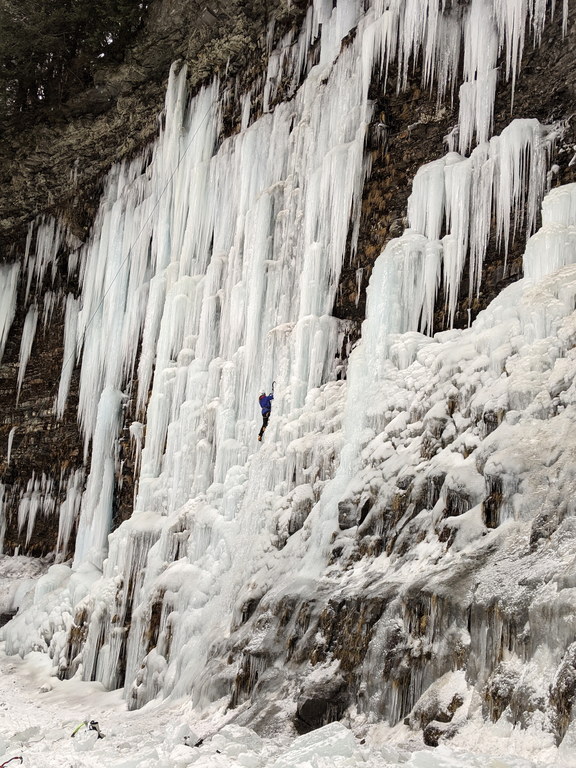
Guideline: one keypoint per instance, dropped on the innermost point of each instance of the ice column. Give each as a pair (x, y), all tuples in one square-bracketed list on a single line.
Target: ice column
[(69, 510), (277, 242), (8, 292), (96, 509), (69, 357), (28, 334)]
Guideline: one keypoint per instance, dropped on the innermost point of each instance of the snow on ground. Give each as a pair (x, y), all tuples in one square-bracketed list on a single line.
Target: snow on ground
[(39, 713)]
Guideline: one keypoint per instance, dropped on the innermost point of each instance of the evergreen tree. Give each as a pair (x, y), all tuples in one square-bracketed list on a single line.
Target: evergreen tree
[(50, 48)]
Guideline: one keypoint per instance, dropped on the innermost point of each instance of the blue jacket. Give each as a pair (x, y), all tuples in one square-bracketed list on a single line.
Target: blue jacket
[(266, 403)]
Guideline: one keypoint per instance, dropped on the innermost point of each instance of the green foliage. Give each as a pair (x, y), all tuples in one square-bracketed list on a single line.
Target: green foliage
[(50, 48)]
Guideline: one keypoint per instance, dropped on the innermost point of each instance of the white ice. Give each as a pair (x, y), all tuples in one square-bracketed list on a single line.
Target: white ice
[(8, 290), (28, 335), (219, 262)]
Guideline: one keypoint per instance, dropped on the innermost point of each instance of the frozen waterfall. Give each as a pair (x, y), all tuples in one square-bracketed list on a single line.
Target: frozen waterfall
[(210, 272)]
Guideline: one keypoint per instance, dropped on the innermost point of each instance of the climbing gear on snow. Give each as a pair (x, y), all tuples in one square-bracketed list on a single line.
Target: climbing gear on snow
[(91, 725), (18, 757), (75, 731)]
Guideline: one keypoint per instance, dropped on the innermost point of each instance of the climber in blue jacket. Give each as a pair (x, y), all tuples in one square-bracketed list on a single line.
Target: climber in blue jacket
[(266, 406)]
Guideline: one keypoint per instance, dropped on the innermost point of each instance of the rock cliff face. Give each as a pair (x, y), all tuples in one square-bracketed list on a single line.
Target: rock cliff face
[(388, 645)]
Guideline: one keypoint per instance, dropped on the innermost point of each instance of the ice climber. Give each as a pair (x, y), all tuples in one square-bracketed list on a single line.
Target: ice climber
[(266, 406)]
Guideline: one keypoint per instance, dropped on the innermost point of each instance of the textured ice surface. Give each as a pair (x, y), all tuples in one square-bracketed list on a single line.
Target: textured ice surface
[(220, 262), (225, 260)]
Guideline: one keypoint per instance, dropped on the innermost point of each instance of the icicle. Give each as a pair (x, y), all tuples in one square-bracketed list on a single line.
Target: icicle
[(455, 244), (2, 519), (9, 449), (137, 436), (38, 498), (51, 235), (8, 289), (49, 302), (481, 194), (69, 510), (478, 91), (459, 194), (402, 290), (426, 204), (246, 105), (359, 273), (403, 31), (69, 354), (521, 153), (28, 335), (96, 511)]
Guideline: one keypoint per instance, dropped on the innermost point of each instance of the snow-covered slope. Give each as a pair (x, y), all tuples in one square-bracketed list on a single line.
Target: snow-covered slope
[(39, 713), (400, 544)]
